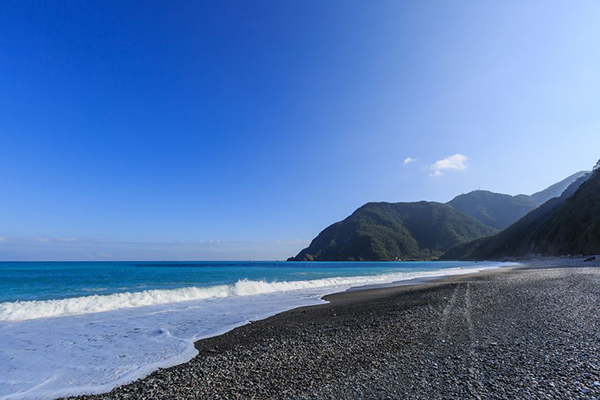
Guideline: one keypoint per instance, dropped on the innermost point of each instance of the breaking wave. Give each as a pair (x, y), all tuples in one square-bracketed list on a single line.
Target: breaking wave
[(25, 310)]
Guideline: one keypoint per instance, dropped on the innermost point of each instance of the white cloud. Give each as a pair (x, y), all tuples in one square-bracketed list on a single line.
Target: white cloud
[(42, 239), (2, 239), (456, 162), (104, 255), (409, 160)]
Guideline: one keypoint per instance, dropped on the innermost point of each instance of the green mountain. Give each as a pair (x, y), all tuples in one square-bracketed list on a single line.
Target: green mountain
[(389, 231), (493, 209), (501, 210), (569, 224)]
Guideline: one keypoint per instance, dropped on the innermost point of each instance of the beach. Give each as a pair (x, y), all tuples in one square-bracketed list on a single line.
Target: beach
[(526, 332), (69, 329)]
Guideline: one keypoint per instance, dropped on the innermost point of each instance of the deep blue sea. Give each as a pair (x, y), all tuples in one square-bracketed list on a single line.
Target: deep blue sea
[(69, 328)]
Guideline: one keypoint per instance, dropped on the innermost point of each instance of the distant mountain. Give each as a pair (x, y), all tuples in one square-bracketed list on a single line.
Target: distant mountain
[(493, 209), (557, 189), (389, 231), (569, 224), (502, 210)]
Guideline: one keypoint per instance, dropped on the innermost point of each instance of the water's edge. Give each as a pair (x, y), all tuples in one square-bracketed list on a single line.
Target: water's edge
[(187, 351)]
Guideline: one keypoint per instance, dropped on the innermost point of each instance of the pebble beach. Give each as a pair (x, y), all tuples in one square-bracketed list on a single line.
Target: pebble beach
[(528, 332)]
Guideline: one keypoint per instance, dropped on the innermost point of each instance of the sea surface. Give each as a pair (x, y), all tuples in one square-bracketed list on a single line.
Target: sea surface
[(70, 328)]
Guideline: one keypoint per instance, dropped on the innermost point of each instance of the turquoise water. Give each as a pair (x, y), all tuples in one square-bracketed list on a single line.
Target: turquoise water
[(26, 281)]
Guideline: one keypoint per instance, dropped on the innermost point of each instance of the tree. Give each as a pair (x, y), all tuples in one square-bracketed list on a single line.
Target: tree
[(597, 166)]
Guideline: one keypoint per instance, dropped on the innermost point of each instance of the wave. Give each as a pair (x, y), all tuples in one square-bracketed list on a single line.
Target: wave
[(25, 310)]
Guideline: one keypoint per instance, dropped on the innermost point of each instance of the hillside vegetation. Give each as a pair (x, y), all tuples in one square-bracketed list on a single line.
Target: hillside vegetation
[(569, 224), (493, 209), (502, 210), (461, 229), (390, 231)]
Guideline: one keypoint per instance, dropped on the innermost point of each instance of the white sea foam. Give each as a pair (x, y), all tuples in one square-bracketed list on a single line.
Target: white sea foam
[(139, 332), (25, 310)]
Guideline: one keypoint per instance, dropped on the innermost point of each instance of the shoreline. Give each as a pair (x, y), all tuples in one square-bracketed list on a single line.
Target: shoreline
[(458, 325), (182, 327), (351, 295)]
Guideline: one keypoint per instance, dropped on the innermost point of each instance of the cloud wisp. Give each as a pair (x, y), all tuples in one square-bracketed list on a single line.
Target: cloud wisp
[(409, 160), (456, 162)]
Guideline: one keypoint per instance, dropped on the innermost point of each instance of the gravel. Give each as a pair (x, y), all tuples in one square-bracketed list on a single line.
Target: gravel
[(527, 333)]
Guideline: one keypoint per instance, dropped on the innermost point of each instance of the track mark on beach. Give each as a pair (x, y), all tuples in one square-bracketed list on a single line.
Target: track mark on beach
[(467, 312), (472, 362), (457, 345), (448, 311), (447, 328)]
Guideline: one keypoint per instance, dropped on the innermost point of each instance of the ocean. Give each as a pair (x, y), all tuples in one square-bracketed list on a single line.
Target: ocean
[(69, 328)]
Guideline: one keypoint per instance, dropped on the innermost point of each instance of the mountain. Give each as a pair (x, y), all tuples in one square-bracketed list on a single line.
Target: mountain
[(389, 231), (557, 189), (501, 210), (493, 209), (569, 224)]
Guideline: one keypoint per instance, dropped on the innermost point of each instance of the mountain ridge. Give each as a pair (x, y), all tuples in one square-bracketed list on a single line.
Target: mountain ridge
[(502, 210), (424, 230), (388, 231), (493, 209), (557, 189), (569, 224)]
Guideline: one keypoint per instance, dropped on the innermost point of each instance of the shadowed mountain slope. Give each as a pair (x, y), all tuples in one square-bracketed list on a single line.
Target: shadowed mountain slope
[(502, 210), (569, 224), (557, 189), (493, 209)]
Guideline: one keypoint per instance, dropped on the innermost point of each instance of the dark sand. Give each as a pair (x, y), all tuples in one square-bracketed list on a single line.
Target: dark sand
[(526, 333)]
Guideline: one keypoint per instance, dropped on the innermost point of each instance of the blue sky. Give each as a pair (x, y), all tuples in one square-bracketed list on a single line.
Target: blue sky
[(239, 130)]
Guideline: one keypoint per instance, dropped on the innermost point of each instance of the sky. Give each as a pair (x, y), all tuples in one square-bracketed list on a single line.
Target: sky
[(238, 130)]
